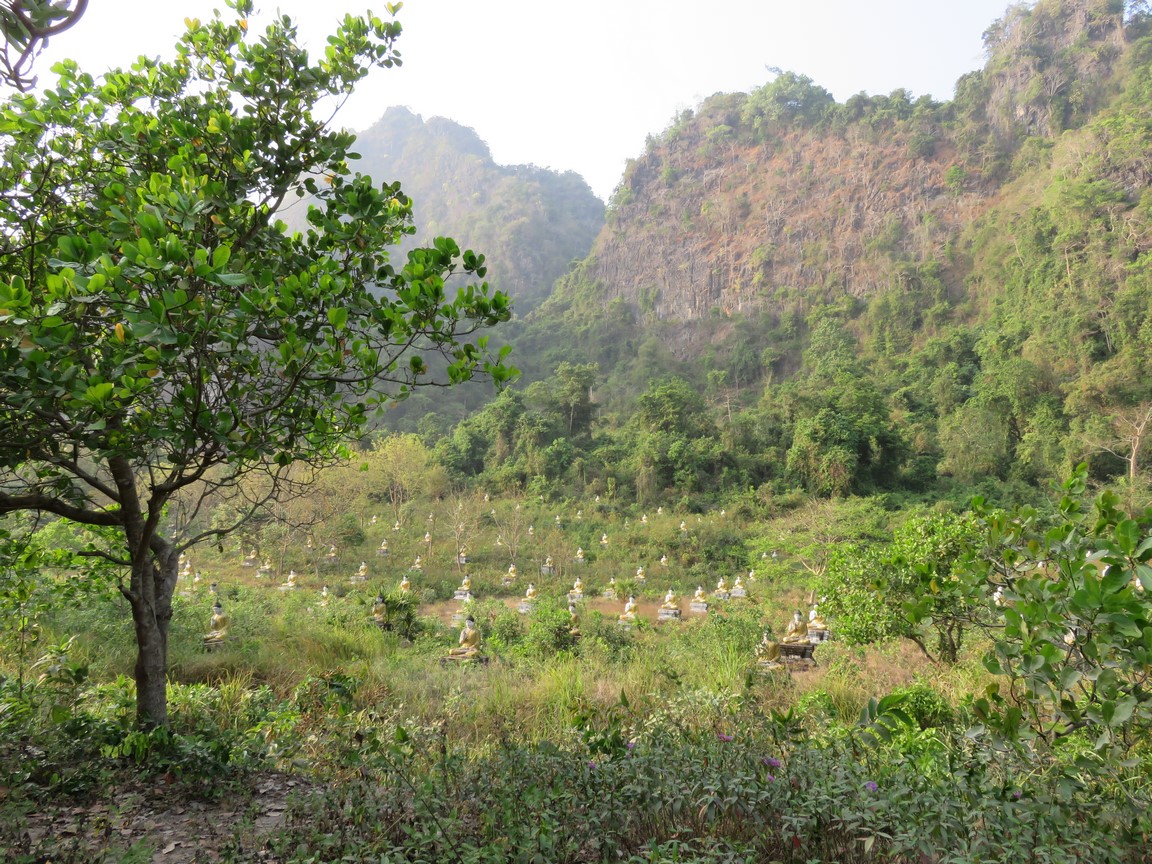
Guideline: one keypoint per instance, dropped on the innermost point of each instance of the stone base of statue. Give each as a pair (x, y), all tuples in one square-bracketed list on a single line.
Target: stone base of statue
[(627, 624), (798, 654), (507, 580), (263, 572), (768, 665), (579, 560), (386, 626), (526, 607), (663, 614), (471, 659), (698, 606), (458, 617), (609, 594), (381, 553), (641, 579), (739, 593), (330, 561), (816, 635), (721, 595), (575, 596), (461, 560), (287, 587), (547, 570), (462, 595), (213, 643), (248, 562), (356, 579)]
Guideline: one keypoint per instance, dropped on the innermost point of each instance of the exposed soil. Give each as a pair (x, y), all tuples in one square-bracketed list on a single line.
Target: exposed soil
[(162, 823)]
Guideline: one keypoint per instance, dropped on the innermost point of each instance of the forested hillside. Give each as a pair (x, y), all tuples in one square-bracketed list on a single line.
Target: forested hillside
[(884, 294), (530, 222)]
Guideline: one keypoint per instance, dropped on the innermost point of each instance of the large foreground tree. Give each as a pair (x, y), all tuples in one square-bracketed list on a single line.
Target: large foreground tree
[(160, 333)]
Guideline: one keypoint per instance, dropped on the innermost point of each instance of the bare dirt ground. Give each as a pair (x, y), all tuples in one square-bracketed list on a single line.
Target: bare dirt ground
[(158, 825)]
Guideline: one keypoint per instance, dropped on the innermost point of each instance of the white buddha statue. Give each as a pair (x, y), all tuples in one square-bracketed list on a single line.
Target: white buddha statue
[(629, 613), (670, 601), (640, 575), (663, 560), (530, 593), (579, 554), (362, 570), (218, 626), (405, 585), (700, 596), (603, 539)]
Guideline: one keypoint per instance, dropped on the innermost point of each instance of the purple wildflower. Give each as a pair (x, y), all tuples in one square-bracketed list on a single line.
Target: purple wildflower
[(591, 764), (723, 737), (771, 778), (871, 786), (631, 745), (770, 762)]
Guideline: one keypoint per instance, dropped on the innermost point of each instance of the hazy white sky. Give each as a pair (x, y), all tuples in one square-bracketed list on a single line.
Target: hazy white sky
[(578, 86)]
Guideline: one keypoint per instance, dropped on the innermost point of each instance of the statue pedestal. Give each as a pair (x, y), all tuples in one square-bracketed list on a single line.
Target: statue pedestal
[(462, 595), (526, 607), (475, 659), (330, 560), (461, 560), (579, 561), (248, 562), (263, 572), (356, 579), (667, 614), (507, 580), (214, 644), (547, 570), (798, 654), (768, 665), (574, 597), (627, 625), (739, 593), (816, 636), (386, 626), (381, 553), (721, 595), (609, 594), (698, 607)]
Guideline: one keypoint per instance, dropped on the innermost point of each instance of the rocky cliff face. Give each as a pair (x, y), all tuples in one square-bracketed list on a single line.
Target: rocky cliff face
[(781, 199)]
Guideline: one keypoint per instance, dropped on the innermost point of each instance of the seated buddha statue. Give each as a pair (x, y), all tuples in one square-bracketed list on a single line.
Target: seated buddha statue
[(700, 596), (640, 577), (291, 583), (721, 586), (548, 561), (670, 600), (511, 571), (797, 630), (816, 620), (603, 539), (644, 519), (629, 613), (573, 620), (466, 584), (417, 565), (383, 545), (379, 609), (578, 586), (218, 626), (324, 596), (739, 583), (469, 645), (663, 560), (580, 553), (768, 651), (405, 585), (530, 594)]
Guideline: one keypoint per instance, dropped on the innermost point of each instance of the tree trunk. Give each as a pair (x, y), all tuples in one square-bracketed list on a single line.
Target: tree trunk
[(153, 583)]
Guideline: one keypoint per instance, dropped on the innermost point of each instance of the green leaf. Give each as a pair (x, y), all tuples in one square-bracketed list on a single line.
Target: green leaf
[(337, 317)]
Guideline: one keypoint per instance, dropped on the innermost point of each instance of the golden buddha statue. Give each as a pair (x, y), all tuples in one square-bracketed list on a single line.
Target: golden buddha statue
[(644, 519), (469, 645), (405, 585), (573, 620), (663, 560), (218, 625), (603, 539), (629, 613), (580, 553), (640, 577), (739, 583), (721, 585), (362, 570), (797, 630), (768, 651), (466, 584), (578, 586), (379, 609), (816, 620), (699, 596), (324, 596), (511, 571), (548, 561), (416, 565), (290, 585), (530, 594), (670, 601)]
